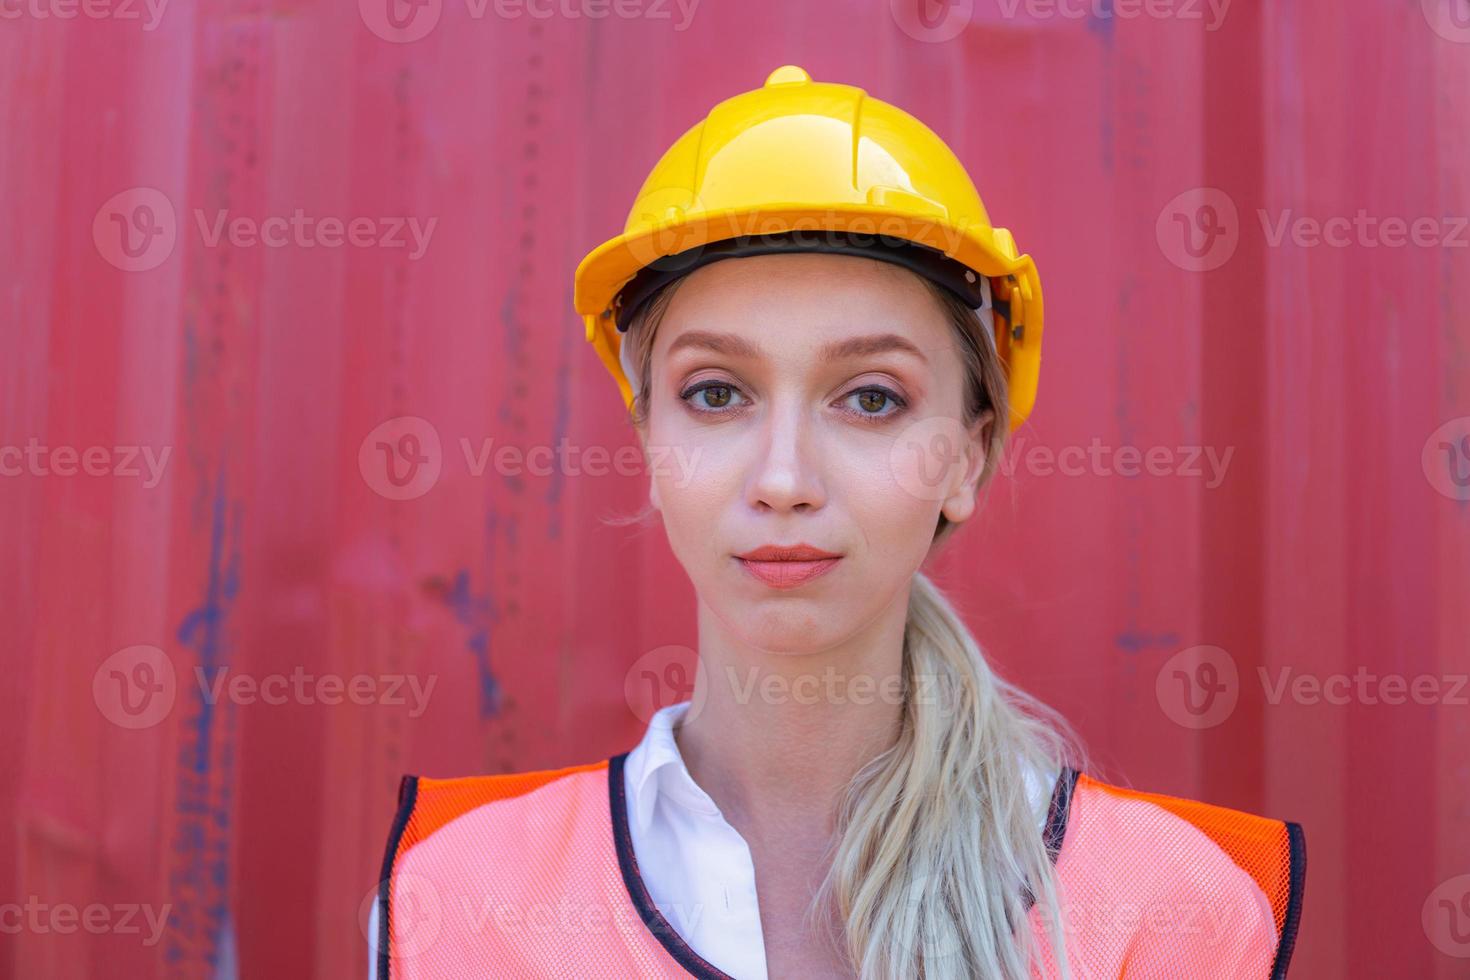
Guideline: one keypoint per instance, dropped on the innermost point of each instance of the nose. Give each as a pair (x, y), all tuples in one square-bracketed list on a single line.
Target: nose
[(786, 475)]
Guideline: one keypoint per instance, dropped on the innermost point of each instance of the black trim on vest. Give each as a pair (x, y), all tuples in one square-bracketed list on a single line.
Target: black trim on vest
[(1057, 814), (638, 891), (408, 793), (1298, 847), (1055, 831), (1060, 811)]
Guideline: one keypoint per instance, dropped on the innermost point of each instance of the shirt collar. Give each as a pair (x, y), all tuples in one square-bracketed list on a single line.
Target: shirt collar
[(656, 769)]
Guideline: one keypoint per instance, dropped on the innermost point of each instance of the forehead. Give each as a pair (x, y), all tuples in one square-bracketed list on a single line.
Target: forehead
[(792, 303)]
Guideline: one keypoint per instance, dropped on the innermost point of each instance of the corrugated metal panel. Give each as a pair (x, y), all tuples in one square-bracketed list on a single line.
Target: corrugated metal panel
[(1303, 517)]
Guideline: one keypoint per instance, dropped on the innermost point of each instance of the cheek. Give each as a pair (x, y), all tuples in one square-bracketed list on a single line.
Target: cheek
[(888, 499), (691, 504), (696, 484)]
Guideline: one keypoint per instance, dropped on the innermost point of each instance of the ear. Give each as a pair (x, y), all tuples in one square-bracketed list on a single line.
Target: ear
[(960, 506)]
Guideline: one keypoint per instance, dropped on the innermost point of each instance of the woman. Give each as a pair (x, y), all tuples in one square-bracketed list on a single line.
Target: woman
[(810, 305)]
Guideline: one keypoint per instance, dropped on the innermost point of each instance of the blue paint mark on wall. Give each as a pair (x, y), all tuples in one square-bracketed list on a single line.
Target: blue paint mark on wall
[(199, 874), (1135, 640), (1101, 22), (476, 613), (561, 421)]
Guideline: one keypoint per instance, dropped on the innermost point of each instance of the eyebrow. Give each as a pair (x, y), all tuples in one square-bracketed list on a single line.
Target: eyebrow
[(837, 350)]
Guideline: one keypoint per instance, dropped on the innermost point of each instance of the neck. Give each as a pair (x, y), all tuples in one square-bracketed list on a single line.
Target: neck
[(775, 737)]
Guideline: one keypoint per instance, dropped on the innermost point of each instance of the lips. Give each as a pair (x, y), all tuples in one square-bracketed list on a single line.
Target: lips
[(787, 552), (788, 566)]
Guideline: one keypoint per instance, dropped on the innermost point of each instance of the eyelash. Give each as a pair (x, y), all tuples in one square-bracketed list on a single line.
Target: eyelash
[(899, 402)]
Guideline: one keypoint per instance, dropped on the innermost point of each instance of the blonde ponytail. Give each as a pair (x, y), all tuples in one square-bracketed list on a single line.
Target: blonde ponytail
[(939, 846)]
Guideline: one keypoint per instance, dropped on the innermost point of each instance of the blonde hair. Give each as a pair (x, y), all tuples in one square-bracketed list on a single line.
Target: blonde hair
[(938, 853)]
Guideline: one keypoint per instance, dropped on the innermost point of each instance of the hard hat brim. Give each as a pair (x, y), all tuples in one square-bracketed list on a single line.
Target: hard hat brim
[(604, 272), (607, 268)]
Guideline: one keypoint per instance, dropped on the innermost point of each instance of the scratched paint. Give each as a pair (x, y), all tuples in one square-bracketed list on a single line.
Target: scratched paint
[(475, 613), (199, 874)]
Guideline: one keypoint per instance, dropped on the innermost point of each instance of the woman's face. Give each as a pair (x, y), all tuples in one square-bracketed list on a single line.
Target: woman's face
[(817, 400)]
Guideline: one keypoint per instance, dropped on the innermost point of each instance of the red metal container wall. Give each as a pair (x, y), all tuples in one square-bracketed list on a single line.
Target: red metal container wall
[(263, 550)]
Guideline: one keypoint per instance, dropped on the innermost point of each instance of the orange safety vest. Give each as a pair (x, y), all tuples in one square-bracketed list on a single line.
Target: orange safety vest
[(533, 875)]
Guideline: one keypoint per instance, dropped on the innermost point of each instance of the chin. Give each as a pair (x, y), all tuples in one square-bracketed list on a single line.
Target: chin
[(775, 625)]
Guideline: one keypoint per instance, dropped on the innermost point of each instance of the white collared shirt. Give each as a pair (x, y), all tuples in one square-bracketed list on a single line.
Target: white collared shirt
[(697, 868)]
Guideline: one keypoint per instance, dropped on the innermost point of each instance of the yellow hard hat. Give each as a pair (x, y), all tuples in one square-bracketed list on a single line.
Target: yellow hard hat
[(798, 165)]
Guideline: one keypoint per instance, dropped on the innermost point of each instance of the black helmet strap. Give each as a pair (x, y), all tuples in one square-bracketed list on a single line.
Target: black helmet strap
[(928, 262)]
